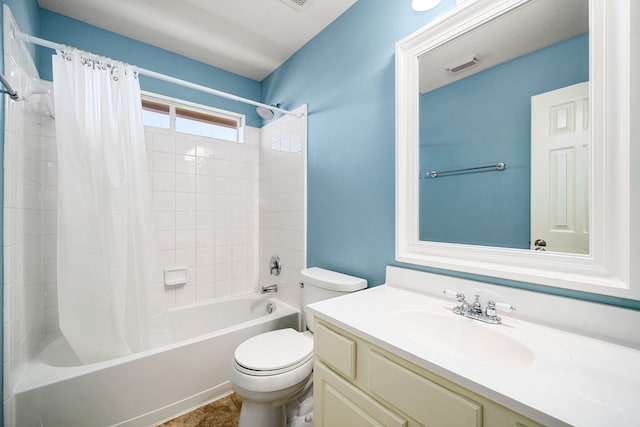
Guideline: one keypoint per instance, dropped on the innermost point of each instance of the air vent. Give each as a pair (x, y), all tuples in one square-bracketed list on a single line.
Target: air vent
[(298, 5), (463, 64)]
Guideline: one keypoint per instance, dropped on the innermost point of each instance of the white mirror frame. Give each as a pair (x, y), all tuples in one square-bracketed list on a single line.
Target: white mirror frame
[(615, 100)]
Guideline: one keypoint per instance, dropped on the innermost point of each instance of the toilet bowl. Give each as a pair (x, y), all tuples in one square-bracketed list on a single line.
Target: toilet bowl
[(275, 368)]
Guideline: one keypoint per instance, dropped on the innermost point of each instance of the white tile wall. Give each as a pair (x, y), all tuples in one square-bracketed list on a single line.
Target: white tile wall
[(29, 277), (283, 203), (205, 198), (48, 221)]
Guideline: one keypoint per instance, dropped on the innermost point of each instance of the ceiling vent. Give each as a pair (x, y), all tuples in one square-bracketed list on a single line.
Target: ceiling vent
[(298, 5), (463, 64)]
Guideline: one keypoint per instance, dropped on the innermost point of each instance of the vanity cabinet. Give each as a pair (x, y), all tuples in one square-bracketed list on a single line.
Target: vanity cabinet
[(357, 383), (343, 404)]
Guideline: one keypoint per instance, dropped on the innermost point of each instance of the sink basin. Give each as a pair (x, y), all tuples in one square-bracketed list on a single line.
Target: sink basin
[(456, 335)]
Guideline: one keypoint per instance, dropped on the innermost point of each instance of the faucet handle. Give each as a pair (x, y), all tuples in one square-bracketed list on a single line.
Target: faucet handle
[(453, 294), (503, 306), (490, 309), (275, 265)]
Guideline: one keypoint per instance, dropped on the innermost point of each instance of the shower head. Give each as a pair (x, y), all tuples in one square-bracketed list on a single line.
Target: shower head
[(265, 112)]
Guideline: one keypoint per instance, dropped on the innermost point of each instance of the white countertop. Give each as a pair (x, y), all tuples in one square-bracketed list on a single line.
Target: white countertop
[(571, 380)]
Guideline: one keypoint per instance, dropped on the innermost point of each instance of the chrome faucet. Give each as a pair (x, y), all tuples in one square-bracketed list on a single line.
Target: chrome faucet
[(268, 289), (475, 310)]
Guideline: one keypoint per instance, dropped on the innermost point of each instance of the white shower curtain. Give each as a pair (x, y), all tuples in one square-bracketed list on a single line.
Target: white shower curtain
[(109, 283)]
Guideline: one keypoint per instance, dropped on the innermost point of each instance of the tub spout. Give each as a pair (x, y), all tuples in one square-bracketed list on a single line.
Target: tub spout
[(268, 289)]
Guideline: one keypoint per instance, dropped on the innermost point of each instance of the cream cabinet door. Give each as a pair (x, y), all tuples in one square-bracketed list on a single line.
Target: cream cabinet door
[(338, 403), (427, 402)]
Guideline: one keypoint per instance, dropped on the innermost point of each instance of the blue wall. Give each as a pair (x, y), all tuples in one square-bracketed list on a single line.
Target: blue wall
[(482, 120), (346, 75), (61, 29)]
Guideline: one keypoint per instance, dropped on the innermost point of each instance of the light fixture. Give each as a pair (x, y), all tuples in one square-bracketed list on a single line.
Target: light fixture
[(422, 5)]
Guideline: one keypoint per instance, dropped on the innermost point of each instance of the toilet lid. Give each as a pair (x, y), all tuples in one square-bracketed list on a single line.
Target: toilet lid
[(274, 350)]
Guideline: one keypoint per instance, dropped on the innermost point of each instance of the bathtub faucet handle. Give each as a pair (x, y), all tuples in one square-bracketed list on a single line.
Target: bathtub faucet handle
[(275, 265), (268, 289)]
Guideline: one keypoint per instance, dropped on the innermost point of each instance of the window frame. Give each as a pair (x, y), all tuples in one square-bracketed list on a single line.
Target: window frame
[(197, 112)]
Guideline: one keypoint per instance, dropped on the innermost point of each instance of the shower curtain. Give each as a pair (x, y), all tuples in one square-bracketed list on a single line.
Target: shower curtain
[(109, 283)]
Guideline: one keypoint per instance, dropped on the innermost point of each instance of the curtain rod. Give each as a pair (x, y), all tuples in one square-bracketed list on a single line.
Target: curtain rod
[(9, 90), (52, 45)]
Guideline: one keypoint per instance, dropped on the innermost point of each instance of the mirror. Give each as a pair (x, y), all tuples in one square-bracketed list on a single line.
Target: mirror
[(475, 120), (478, 220)]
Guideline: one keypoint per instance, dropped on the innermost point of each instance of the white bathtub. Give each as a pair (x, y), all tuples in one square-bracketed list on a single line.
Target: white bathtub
[(149, 387)]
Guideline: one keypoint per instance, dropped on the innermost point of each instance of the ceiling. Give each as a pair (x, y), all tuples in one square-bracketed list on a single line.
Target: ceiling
[(247, 37), (528, 28)]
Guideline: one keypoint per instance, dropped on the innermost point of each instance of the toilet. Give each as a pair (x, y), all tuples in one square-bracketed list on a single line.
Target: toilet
[(272, 372)]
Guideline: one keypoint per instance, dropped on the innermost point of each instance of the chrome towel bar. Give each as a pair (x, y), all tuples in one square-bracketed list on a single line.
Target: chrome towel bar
[(434, 174)]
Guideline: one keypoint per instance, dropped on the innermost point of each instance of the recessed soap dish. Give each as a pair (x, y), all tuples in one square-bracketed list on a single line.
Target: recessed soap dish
[(175, 277)]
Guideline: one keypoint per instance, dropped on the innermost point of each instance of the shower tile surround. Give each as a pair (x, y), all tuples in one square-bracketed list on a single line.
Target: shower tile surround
[(29, 276), (283, 204), (205, 201), (221, 210)]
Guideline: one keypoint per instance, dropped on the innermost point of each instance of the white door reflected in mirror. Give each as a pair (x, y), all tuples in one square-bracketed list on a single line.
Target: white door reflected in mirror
[(560, 170)]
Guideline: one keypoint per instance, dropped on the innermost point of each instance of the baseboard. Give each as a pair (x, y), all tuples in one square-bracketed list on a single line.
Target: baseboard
[(178, 408)]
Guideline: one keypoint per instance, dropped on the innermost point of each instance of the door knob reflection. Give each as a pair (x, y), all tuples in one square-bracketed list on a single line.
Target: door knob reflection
[(540, 245)]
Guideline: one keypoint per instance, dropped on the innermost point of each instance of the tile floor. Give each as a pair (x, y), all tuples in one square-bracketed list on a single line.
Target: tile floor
[(223, 412)]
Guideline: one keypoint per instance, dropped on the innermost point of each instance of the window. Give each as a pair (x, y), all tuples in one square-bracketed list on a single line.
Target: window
[(181, 116), (156, 114)]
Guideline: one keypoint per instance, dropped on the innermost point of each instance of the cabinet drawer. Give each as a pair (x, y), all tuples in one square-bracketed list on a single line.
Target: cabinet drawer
[(338, 403), (428, 403), (336, 350)]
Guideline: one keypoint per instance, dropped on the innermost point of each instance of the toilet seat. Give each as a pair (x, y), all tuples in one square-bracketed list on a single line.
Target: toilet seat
[(273, 353)]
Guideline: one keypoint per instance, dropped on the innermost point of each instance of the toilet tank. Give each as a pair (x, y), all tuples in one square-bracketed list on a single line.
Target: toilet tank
[(320, 284)]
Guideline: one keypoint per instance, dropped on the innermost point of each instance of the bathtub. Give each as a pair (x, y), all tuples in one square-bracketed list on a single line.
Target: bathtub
[(148, 387)]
